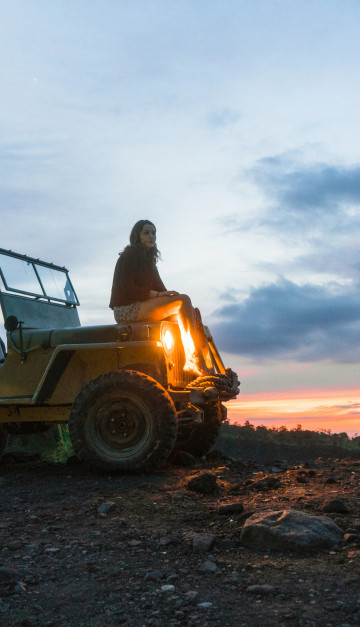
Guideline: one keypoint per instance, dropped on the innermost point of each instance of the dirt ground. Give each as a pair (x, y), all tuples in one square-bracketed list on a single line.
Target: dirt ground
[(83, 549)]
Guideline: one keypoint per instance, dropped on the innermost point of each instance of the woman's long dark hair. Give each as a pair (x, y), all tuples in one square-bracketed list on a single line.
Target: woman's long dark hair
[(153, 254)]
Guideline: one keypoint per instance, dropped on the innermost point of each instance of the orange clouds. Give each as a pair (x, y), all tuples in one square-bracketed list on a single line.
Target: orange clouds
[(338, 410)]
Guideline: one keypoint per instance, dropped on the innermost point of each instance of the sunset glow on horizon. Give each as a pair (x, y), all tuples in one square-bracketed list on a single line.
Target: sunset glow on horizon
[(314, 409)]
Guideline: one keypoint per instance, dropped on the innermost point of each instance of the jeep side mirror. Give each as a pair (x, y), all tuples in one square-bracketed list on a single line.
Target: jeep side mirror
[(11, 323)]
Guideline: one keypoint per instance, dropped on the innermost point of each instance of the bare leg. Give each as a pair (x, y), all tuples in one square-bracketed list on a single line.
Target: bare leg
[(155, 309)]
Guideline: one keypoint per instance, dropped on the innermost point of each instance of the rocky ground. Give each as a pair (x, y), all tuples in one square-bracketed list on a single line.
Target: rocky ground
[(79, 549)]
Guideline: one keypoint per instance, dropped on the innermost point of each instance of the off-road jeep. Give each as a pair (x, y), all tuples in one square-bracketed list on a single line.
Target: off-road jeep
[(122, 389)]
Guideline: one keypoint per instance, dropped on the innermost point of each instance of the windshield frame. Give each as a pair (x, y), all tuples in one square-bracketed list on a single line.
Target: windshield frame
[(43, 293)]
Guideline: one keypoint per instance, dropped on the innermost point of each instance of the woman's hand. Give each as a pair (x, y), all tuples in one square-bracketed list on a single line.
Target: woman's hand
[(170, 293)]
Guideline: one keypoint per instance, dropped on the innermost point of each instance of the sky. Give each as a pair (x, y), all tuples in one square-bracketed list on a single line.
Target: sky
[(233, 125)]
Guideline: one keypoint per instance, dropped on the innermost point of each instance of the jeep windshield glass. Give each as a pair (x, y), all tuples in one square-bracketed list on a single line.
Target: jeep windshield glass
[(23, 275), (56, 284)]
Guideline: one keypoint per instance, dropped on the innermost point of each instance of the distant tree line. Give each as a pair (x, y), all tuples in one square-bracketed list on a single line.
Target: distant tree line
[(259, 442)]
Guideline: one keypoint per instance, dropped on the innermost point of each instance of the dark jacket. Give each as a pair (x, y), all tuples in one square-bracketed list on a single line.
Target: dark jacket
[(135, 275)]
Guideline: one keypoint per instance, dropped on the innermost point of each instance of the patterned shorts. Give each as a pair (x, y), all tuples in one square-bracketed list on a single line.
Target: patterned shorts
[(127, 313)]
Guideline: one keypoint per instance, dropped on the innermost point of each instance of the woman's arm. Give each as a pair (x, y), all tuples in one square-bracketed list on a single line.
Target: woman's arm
[(159, 288)]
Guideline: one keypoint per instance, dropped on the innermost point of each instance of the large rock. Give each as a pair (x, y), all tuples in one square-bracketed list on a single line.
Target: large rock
[(204, 484), (290, 530)]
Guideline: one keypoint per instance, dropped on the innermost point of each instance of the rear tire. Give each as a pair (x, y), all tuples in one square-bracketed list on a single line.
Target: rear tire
[(123, 421)]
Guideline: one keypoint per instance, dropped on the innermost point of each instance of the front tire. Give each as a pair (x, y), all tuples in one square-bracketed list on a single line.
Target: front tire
[(123, 421), (198, 440)]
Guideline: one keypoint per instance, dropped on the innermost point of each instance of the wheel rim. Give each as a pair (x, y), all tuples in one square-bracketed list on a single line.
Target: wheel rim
[(120, 427)]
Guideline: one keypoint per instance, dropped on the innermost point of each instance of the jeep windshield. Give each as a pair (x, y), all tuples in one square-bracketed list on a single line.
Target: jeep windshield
[(31, 277)]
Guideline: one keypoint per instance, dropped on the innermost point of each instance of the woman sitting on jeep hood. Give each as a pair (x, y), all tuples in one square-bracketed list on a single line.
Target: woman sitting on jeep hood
[(138, 294)]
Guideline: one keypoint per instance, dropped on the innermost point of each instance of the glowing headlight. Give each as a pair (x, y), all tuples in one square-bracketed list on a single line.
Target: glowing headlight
[(168, 340)]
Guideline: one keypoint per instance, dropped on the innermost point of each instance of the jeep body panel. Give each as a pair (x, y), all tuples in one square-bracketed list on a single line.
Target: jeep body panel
[(52, 366)]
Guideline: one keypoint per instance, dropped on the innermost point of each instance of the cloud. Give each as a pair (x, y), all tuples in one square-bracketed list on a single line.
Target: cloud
[(308, 213), (230, 295), (288, 321), (341, 259), (308, 195), (312, 198), (348, 406), (222, 117)]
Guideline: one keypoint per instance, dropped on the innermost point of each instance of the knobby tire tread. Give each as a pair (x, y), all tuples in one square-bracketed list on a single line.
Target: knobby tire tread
[(164, 432)]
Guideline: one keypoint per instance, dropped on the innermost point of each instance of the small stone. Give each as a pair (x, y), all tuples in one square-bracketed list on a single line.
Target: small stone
[(165, 541), (301, 479), (134, 542), (205, 605), (20, 587), (154, 575), (106, 508), (191, 595), (237, 578), (337, 506), (172, 578), (268, 483), (52, 549), (236, 487), (209, 567), (121, 522), (167, 587), (9, 575), (330, 480), (262, 589), (202, 542), (178, 495), (231, 508)]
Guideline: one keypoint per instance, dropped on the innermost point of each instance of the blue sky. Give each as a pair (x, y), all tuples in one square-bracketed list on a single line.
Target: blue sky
[(231, 124)]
